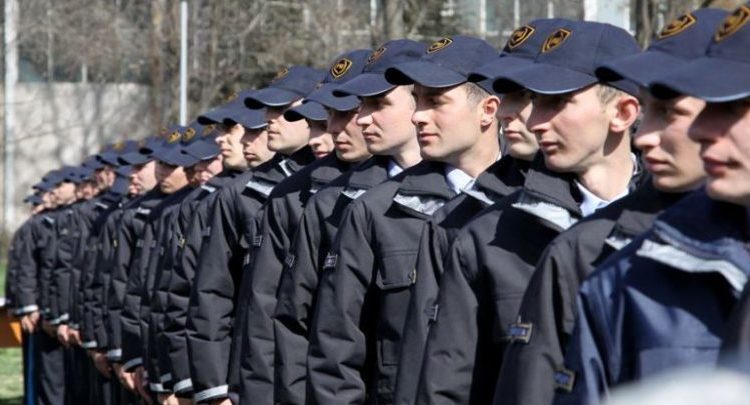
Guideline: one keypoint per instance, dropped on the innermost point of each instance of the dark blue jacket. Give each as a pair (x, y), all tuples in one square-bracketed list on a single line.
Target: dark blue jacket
[(660, 303)]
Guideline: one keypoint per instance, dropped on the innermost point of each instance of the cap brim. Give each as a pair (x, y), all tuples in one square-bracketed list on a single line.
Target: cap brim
[(543, 79), (124, 170), (174, 157), (202, 149), (109, 158), (425, 74), (248, 118), (309, 110), (711, 79), (134, 158), (497, 67), (271, 97), (324, 96), (364, 85), (642, 68)]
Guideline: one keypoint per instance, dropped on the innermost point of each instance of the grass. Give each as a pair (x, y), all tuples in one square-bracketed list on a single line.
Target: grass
[(11, 366)]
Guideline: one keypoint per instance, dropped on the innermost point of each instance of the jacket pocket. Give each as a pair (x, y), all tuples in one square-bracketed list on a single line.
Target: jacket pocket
[(396, 270)]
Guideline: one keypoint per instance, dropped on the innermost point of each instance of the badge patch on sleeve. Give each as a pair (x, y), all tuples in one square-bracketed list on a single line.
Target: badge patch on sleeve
[(565, 379), (330, 261), (290, 259), (520, 332), (206, 232)]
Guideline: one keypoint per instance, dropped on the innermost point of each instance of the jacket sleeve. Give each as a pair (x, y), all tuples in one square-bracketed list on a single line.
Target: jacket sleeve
[(211, 306), (93, 302), (63, 271), (175, 338), (130, 318), (293, 315), (455, 342), (549, 305), (126, 244), (257, 354), (584, 380), (48, 255), (27, 271), (338, 347), (421, 311)]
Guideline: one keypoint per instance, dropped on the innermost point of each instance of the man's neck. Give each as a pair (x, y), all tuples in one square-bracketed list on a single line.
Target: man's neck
[(408, 156), (610, 177), (478, 158)]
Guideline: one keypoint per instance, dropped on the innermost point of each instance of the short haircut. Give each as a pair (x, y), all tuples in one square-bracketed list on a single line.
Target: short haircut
[(608, 93), (475, 93)]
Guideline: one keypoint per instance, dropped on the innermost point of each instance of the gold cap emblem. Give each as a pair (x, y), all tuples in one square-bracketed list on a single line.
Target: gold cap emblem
[(555, 40), (173, 137), (733, 23), (439, 44), (376, 54), (189, 134), (341, 67), (677, 26), (519, 36)]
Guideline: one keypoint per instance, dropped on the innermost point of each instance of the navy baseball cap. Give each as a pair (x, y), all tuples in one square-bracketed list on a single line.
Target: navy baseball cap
[(521, 49), (371, 82), (290, 84), (146, 148), (113, 152), (82, 174), (344, 68), (447, 62), (235, 112), (124, 171), (568, 58), (204, 147), (93, 163), (721, 75), (170, 152), (683, 39), (33, 199)]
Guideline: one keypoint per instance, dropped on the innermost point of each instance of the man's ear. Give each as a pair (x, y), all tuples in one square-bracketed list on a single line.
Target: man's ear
[(489, 105), (625, 112)]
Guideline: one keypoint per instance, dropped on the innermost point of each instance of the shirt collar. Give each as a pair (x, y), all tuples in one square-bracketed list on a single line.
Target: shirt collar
[(457, 179), (393, 169), (591, 202)]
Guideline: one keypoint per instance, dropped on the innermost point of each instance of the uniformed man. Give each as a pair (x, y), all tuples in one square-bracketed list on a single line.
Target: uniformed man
[(129, 244), (320, 219), (548, 306), (664, 300), (255, 340), (583, 130), (236, 128), (500, 180), (377, 243)]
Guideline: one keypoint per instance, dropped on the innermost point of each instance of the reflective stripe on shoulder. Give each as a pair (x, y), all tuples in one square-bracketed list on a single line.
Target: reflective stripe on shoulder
[(263, 187), (353, 193), (681, 260), (424, 205), (551, 213)]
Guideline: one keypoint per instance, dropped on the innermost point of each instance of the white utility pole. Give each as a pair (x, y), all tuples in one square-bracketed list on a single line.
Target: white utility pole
[(11, 77), (183, 60)]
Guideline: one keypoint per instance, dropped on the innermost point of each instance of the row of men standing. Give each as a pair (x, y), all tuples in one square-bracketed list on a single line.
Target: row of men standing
[(362, 234)]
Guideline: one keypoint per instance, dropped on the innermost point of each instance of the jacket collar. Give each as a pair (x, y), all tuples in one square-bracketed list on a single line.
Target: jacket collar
[(423, 189), (502, 178)]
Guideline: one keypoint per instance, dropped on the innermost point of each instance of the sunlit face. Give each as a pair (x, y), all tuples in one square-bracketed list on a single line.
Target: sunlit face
[(255, 147), (321, 141), (386, 121), (448, 122), (285, 136), (723, 131), (349, 141), (204, 170), (142, 178), (65, 192), (572, 129), (230, 146), (671, 157), (170, 178), (513, 115), (104, 177)]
